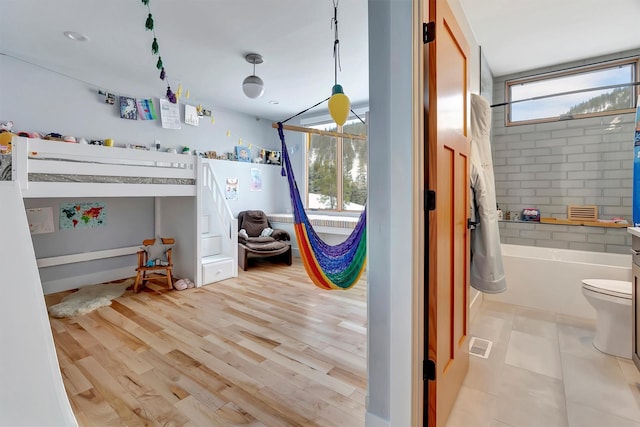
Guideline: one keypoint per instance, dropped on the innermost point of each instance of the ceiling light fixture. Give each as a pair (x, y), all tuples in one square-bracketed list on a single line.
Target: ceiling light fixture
[(75, 36), (339, 105), (253, 86)]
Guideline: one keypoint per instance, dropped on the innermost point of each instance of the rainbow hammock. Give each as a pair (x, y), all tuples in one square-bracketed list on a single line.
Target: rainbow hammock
[(329, 266)]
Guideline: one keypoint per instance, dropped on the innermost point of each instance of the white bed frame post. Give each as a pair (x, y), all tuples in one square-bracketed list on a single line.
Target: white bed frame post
[(19, 157)]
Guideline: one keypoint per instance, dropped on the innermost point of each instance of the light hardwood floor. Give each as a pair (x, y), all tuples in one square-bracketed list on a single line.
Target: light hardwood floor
[(266, 348)]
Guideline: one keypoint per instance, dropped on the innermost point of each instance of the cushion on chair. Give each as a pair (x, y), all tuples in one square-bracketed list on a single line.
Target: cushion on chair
[(274, 245), (261, 240), (254, 222), (280, 234)]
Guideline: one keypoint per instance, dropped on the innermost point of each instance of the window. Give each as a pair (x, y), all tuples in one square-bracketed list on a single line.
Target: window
[(326, 155), (588, 91)]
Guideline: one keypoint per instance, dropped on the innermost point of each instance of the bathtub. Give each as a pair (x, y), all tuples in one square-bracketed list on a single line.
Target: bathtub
[(551, 279)]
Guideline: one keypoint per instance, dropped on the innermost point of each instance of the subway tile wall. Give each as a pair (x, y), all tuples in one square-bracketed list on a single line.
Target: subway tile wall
[(552, 165)]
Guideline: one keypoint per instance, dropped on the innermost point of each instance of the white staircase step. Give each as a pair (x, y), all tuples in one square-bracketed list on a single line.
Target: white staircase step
[(211, 244), (215, 258)]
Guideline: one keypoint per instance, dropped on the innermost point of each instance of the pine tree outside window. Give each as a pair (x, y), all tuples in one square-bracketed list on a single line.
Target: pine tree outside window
[(327, 189)]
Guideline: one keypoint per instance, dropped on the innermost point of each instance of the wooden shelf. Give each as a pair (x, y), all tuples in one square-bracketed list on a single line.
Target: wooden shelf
[(564, 221)]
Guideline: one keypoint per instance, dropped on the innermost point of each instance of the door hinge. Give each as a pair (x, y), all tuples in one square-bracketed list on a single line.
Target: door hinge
[(428, 32), (471, 224), (428, 370), (429, 200)]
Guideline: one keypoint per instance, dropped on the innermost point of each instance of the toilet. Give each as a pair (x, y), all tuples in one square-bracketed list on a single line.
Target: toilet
[(612, 302)]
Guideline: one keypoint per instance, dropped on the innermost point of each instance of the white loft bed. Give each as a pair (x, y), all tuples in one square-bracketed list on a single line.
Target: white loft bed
[(55, 169), (61, 169)]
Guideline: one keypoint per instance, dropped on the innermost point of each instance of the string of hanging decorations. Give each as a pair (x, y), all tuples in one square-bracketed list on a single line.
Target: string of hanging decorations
[(155, 50)]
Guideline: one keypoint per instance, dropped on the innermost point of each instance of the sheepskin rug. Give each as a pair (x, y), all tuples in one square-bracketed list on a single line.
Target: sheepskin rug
[(88, 298)]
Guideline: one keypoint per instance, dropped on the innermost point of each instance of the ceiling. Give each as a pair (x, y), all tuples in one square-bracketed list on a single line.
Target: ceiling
[(203, 43), (520, 35)]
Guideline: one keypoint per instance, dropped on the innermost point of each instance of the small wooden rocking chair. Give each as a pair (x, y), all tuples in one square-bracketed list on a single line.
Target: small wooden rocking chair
[(143, 267)]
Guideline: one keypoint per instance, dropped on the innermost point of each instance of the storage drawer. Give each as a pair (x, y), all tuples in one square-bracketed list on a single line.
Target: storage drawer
[(217, 270), (211, 245)]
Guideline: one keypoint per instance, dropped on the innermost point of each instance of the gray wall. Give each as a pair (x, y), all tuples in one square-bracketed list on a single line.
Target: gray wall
[(112, 235), (552, 165), (390, 284)]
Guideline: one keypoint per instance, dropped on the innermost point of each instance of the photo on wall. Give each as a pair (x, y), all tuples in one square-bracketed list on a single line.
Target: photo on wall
[(128, 108), (243, 154), (273, 157)]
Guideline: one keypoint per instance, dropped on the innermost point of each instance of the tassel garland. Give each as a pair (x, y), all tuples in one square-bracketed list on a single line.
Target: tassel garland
[(162, 74), (149, 24), (171, 96), (159, 63), (154, 46)]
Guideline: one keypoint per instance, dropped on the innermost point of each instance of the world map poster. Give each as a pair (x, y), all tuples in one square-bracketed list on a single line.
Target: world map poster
[(83, 215)]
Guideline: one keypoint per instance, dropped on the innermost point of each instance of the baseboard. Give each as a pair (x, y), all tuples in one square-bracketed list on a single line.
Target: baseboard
[(371, 420), (74, 282)]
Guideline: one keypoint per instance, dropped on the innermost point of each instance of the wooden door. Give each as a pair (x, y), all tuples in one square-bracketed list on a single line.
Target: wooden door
[(446, 118)]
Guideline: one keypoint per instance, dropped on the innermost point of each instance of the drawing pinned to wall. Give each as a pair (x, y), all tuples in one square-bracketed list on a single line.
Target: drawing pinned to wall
[(40, 220), (83, 215), (231, 188), (146, 110), (169, 114), (256, 179), (191, 115), (128, 109)]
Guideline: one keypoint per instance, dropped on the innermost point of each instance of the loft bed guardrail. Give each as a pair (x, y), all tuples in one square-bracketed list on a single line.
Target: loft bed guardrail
[(45, 168)]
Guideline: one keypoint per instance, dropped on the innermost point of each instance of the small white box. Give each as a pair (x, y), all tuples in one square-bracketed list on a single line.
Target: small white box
[(211, 245)]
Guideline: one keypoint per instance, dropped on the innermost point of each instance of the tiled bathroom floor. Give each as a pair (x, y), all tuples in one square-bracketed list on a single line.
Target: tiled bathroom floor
[(543, 371)]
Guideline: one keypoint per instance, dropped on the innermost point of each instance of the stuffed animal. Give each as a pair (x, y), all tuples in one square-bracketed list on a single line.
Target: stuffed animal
[(6, 126), (5, 142)]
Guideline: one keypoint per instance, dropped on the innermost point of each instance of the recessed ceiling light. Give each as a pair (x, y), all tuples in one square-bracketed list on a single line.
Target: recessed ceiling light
[(75, 36), (274, 102)]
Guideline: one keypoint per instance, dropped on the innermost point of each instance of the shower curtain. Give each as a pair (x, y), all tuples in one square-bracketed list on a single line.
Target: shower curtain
[(487, 271)]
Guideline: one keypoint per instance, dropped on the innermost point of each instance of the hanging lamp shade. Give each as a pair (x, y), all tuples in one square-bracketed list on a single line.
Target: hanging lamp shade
[(253, 86), (339, 105)]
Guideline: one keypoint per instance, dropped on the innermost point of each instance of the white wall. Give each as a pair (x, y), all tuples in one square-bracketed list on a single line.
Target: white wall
[(40, 100), (274, 196), (36, 99)]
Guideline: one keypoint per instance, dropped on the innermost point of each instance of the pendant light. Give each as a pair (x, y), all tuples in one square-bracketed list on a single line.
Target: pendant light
[(253, 86), (339, 105)]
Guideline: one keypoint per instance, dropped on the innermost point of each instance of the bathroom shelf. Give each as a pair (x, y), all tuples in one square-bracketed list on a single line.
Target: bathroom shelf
[(564, 221)]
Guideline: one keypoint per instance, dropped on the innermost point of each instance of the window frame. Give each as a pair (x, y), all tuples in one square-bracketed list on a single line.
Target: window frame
[(339, 165), (583, 69)]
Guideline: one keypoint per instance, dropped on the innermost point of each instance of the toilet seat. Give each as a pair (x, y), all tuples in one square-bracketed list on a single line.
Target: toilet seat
[(614, 288)]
